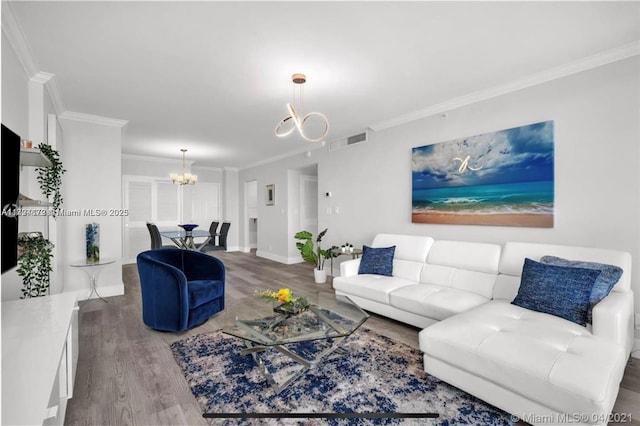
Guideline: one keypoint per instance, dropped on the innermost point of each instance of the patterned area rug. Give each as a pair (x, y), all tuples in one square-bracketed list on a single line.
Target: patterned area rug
[(377, 375)]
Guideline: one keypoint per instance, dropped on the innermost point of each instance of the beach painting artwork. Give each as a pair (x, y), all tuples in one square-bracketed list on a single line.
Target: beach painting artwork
[(502, 178)]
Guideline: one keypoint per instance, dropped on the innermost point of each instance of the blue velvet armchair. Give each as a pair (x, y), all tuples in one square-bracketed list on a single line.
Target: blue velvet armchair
[(180, 288)]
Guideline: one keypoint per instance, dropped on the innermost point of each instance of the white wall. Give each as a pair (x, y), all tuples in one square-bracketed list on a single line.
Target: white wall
[(15, 92), (91, 155), (208, 174), (597, 163)]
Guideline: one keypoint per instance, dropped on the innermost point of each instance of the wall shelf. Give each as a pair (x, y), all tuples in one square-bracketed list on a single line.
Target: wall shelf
[(26, 202), (33, 157)]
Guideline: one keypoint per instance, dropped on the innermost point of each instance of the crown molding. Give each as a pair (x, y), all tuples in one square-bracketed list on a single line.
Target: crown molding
[(590, 62), (209, 168), (48, 80), (153, 159), (93, 119), (302, 150), (165, 160), (13, 30), (42, 77)]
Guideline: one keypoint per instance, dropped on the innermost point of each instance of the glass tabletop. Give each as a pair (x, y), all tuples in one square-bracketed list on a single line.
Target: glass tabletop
[(182, 234), (328, 316), (86, 264)]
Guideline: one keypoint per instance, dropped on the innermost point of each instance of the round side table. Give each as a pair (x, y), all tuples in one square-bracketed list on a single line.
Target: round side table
[(93, 270)]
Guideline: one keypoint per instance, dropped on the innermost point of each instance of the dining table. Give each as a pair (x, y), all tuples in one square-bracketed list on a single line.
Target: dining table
[(184, 239)]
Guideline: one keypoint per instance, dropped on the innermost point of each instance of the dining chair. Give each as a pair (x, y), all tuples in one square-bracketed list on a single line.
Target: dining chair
[(213, 228), (210, 245), (222, 239), (156, 238)]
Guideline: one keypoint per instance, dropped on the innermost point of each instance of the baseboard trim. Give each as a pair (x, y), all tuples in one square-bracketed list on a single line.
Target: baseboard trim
[(277, 258)]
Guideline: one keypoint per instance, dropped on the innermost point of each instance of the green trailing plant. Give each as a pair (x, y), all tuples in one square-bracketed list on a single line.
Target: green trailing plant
[(34, 264), (50, 178), (310, 248)]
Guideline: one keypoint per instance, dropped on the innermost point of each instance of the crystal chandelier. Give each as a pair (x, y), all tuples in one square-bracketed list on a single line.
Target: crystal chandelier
[(184, 178), (293, 121)]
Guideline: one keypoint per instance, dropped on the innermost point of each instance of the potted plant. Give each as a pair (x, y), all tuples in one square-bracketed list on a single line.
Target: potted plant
[(34, 250), (50, 178), (312, 253), (34, 264)]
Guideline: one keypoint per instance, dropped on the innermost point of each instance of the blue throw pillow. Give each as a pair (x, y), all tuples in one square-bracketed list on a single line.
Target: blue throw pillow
[(556, 290), (609, 276), (377, 261)]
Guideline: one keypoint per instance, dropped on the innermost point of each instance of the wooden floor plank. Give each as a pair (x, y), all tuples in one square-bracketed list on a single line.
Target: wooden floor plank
[(126, 371)]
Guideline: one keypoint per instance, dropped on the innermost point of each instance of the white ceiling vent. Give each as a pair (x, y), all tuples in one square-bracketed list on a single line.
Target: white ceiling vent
[(350, 140)]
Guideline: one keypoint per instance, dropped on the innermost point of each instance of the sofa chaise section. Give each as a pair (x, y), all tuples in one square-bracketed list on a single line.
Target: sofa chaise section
[(612, 317), (535, 364), (525, 362)]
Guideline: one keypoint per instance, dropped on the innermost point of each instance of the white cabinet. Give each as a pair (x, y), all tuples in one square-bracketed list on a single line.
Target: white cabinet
[(39, 358)]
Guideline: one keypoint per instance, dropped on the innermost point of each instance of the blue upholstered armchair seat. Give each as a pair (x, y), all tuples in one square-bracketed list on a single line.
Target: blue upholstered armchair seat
[(180, 288)]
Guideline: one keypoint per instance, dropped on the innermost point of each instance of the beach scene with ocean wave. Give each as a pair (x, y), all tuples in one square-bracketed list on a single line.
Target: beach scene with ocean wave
[(503, 178)]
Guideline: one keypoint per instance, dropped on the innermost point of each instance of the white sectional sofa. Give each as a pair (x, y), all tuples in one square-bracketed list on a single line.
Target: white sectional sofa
[(537, 366)]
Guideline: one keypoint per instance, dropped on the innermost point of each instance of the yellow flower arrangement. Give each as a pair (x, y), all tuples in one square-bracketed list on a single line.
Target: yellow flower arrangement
[(286, 297)]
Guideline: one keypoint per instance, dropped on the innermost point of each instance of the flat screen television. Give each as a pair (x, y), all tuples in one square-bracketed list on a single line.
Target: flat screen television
[(10, 174)]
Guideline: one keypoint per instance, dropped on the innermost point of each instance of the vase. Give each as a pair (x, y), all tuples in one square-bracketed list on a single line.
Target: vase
[(320, 276), (92, 234), (188, 228)]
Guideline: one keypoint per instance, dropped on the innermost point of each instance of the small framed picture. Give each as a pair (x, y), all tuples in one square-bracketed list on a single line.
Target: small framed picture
[(271, 195)]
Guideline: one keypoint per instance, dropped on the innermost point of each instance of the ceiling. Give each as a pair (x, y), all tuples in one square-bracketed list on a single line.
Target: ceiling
[(214, 77)]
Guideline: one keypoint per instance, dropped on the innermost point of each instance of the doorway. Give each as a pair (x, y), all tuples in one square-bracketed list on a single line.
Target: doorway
[(309, 203), (251, 215), (308, 199)]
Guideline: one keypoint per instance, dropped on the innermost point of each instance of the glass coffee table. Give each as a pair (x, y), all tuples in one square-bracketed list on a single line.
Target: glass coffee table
[(324, 326)]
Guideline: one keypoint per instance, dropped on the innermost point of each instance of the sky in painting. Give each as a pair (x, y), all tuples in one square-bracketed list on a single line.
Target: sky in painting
[(520, 154)]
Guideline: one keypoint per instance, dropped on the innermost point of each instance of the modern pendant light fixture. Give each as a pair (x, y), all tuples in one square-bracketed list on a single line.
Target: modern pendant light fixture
[(293, 121), (184, 178)]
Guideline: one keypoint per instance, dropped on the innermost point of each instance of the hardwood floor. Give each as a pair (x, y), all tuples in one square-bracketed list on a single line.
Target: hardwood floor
[(126, 372)]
